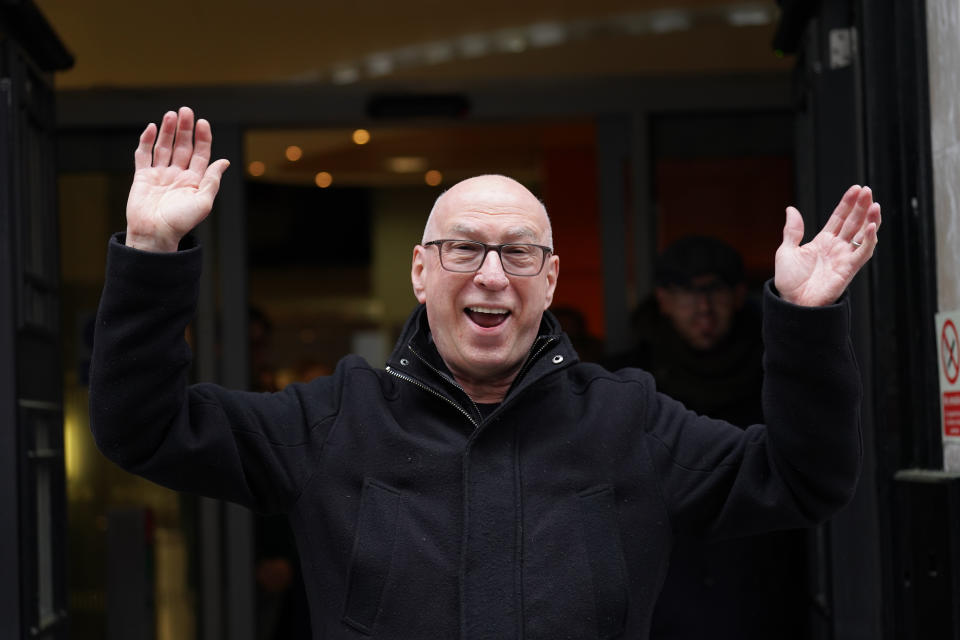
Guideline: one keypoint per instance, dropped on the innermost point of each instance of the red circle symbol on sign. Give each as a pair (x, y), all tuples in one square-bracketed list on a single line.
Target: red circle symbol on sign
[(950, 351)]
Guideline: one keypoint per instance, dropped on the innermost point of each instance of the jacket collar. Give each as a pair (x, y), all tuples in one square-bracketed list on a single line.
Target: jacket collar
[(415, 355)]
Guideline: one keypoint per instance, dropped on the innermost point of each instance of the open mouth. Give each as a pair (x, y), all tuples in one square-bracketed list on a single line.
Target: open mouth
[(487, 317)]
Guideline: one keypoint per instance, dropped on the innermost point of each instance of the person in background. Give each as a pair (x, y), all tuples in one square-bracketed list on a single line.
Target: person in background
[(700, 337)]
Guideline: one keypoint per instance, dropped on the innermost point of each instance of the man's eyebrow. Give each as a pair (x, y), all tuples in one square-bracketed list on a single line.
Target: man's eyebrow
[(465, 229), (512, 233), (518, 233)]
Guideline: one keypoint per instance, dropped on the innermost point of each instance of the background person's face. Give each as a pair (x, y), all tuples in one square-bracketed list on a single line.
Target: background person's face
[(702, 313), (484, 323)]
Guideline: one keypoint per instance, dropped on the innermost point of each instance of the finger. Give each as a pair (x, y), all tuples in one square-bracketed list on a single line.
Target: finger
[(163, 149), (854, 221), (792, 228), (865, 251), (873, 217), (203, 140), (183, 145), (842, 210), (143, 156), (210, 184)]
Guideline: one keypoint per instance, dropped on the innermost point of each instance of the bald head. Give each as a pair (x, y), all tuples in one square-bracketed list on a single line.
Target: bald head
[(492, 195), (484, 320)]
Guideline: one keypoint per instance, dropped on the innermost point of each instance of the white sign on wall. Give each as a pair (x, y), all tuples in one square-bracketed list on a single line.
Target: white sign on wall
[(948, 361)]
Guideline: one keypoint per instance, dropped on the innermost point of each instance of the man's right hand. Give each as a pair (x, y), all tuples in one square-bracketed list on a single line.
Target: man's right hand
[(173, 187)]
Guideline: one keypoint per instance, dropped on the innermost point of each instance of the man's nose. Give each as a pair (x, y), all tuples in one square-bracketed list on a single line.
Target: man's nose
[(491, 275), (703, 302)]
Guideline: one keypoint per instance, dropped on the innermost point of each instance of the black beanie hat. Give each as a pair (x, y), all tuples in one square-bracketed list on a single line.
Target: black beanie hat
[(693, 256)]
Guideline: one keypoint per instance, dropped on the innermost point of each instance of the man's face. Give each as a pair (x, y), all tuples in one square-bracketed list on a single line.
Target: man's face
[(484, 323), (703, 312)]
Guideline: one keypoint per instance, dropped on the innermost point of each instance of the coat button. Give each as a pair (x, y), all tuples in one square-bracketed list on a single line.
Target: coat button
[(404, 361), (557, 359)]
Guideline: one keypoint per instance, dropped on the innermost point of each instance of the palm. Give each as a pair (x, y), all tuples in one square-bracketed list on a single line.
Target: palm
[(818, 272), (168, 197), (173, 187)]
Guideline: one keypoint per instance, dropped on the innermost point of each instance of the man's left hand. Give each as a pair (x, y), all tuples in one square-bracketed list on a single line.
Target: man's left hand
[(818, 272)]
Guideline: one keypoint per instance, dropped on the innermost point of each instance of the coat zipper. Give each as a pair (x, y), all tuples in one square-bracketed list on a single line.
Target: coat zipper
[(453, 404), (443, 377), (547, 341)]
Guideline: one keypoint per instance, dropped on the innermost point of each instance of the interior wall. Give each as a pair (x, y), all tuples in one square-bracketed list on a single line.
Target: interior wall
[(570, 195), (740, 200), (398, 218)]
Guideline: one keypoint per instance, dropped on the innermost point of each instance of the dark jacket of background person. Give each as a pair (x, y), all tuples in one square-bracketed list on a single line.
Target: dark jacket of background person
[(748, 588), (550, 518)]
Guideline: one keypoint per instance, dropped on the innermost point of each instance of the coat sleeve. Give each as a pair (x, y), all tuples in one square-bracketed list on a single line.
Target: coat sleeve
[(251, 448), (799, 468)]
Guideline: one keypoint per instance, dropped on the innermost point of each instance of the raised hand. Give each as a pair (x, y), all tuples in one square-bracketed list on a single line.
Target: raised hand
[(174, 185), (818, 272)]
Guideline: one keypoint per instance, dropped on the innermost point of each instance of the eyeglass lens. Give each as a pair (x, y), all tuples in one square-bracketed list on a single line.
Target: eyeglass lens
[(517, 259)]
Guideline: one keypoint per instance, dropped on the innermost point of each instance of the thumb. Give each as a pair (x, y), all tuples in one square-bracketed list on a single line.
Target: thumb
[(793, 228), (210, 183)]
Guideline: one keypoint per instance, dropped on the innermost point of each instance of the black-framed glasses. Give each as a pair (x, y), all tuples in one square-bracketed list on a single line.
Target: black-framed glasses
[(467, 256)]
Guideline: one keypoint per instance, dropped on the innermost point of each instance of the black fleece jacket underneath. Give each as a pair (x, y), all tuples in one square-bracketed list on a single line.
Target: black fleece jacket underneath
[(552, 517)]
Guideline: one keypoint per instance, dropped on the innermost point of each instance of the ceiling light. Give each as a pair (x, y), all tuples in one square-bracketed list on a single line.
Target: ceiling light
[(433, 177), (474, 45), (511, 41), (256, 168), (346, 75), (546, 34), (293, 153), (437, 52), (406, 164), (749, 17), (667, 21), (361, 136), (323, 179), (379, 64)]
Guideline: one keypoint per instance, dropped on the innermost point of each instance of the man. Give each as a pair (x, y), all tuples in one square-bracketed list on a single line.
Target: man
[(485, 484), (699, 336)]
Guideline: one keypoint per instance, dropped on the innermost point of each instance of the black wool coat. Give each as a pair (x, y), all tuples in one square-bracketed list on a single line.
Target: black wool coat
[(415, 517)]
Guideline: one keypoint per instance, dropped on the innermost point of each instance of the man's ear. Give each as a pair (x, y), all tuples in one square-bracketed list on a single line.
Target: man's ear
[(553, 273), (417, 275)]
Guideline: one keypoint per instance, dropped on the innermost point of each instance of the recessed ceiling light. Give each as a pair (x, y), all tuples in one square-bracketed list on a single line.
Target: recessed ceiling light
[(323, 179), (406, 164), (361, 136)]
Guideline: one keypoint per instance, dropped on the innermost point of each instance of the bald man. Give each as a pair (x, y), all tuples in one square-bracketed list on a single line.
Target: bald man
[(484, 483)]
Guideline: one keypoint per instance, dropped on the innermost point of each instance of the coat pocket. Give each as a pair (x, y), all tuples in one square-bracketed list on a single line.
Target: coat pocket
[(601, 538), (373, 546)]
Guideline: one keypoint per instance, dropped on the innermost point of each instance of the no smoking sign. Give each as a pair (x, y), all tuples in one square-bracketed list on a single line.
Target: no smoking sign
[(949, 365)]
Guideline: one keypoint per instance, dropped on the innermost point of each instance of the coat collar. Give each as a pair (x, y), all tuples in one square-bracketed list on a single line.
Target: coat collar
[(416, 356)]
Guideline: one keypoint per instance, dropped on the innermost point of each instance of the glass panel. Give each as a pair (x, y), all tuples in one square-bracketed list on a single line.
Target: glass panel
[(41, 425), (38, 223), (91, 208), (45, 579)]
